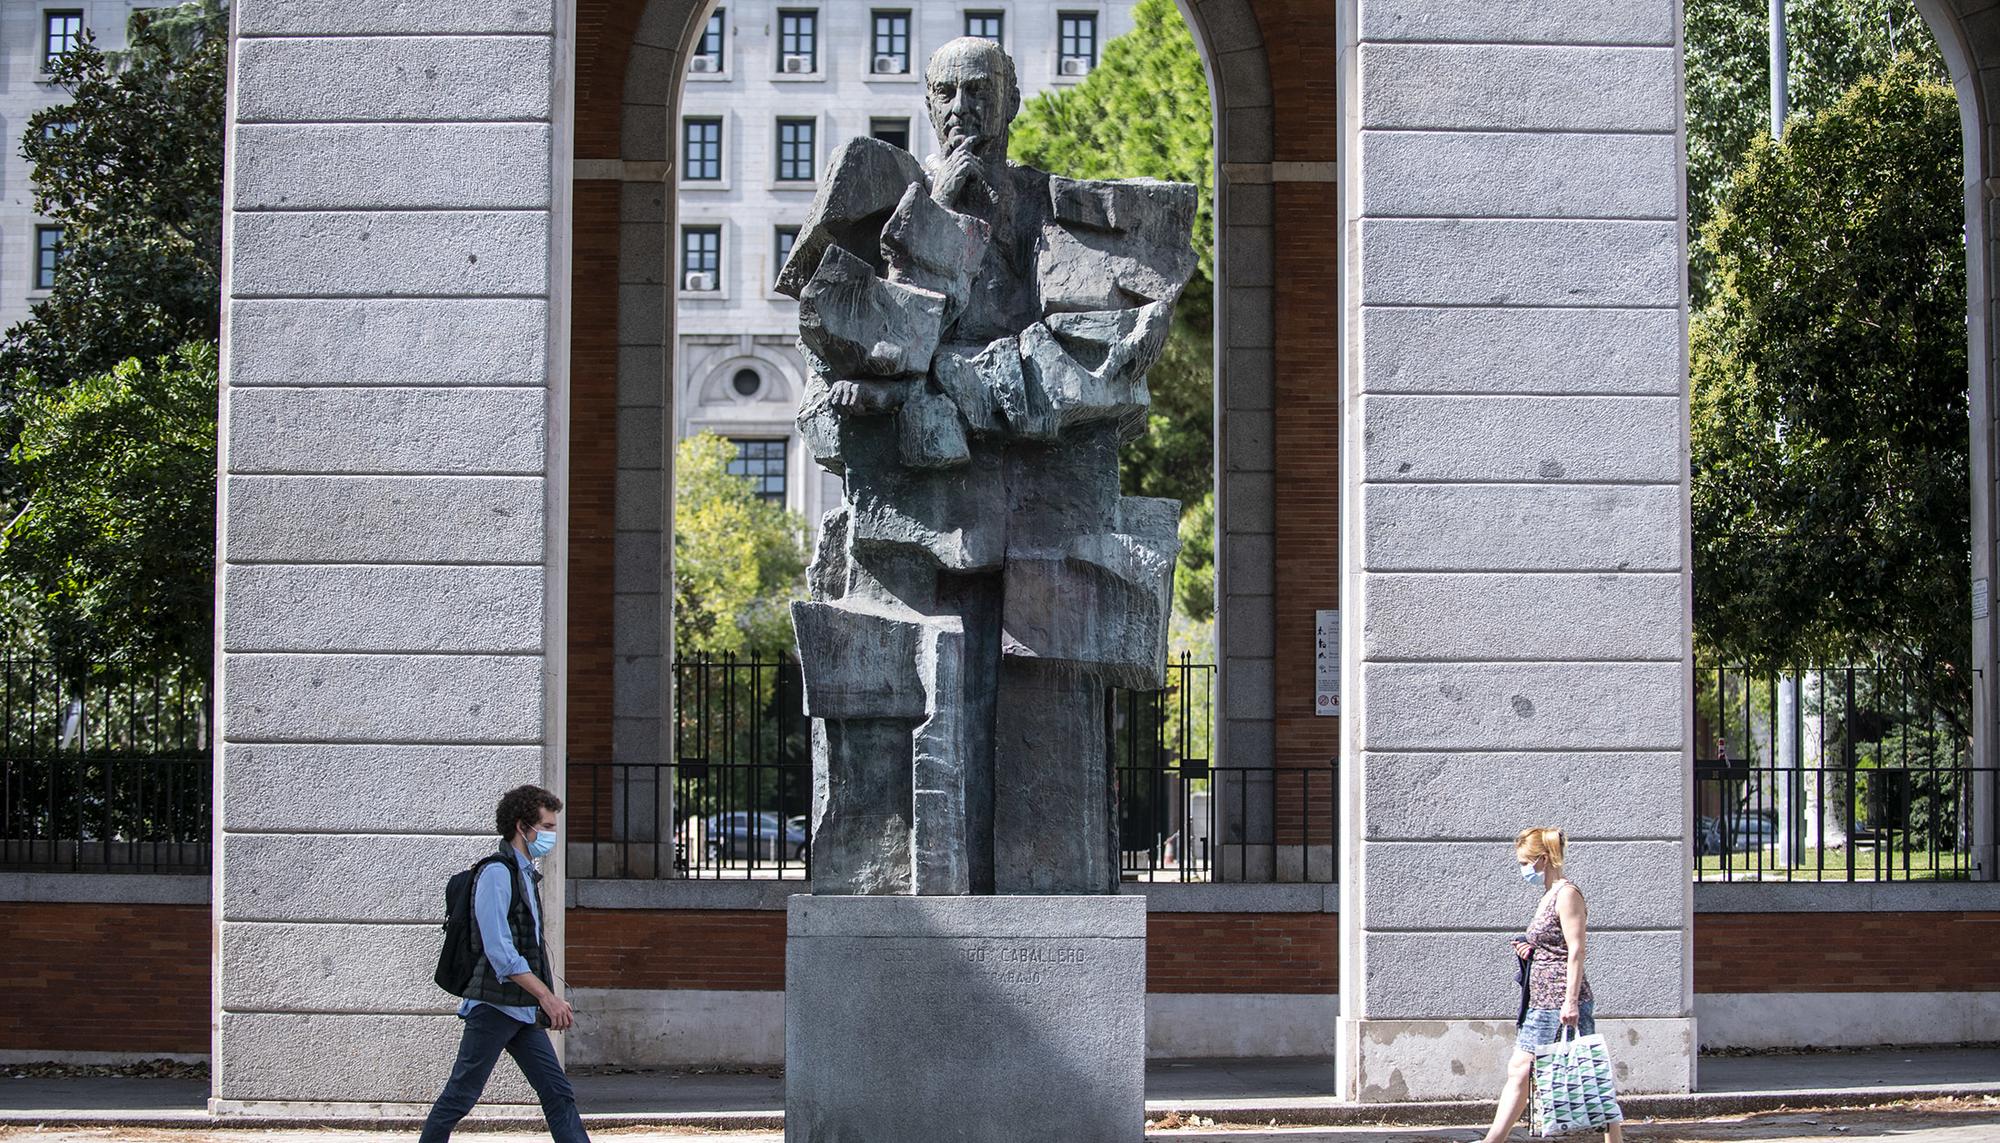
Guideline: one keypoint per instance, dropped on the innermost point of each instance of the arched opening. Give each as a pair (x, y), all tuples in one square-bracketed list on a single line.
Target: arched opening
[(1860, 755), (688, 257)]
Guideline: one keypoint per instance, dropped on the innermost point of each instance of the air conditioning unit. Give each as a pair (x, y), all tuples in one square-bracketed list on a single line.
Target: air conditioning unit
[(705, 64), (700, 282), (798, 65), (1076, 65), (890, 65)]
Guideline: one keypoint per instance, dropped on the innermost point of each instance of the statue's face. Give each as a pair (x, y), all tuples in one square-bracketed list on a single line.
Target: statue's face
[(971, 96)]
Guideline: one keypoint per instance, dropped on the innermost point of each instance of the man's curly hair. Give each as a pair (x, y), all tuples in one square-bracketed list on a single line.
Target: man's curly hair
[(523, 805)]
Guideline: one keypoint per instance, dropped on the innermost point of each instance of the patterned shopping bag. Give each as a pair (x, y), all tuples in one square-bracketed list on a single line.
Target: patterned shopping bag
[(1573, 1088)]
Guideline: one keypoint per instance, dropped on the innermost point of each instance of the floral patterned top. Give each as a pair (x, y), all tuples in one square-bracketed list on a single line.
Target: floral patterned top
[(1548, 974)]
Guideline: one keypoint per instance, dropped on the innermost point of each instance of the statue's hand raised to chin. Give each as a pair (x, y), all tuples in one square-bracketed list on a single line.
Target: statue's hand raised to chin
[(963, 180)]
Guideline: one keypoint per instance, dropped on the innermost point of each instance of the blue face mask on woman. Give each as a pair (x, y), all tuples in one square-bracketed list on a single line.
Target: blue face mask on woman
[(545, 841), (1531, 875)]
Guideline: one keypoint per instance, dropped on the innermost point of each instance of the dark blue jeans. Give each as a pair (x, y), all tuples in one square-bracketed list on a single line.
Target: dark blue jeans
[(488, 1032)]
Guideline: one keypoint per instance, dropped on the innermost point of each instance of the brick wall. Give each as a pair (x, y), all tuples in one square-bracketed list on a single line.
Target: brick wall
[(728, 949), (1243, 952), (134, 978), (741, 950), (1300, 40), (1847, 952), (604, 30), (593, 491), (107, 978), (1301, 46)]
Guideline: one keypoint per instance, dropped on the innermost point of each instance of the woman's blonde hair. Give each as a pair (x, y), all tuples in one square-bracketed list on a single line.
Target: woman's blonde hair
[(1540, 841)]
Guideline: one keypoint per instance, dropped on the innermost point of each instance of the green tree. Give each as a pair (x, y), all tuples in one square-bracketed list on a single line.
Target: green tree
[(1144, 112), (1834, 43), (739, 561), (131, 169), (112, 552), (1830, 450)]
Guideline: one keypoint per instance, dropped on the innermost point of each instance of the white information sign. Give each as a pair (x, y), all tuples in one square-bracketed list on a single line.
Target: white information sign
[(1979, 599), (1326, 663)]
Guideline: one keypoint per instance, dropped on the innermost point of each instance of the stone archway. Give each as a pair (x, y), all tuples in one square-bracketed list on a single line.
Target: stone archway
[(1968, 33)]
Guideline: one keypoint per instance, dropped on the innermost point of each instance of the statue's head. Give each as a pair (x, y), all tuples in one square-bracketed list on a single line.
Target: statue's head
[(972, 91)]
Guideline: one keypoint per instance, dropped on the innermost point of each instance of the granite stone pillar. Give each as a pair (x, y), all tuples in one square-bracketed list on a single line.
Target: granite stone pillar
[(390, 537), (1515, 505)]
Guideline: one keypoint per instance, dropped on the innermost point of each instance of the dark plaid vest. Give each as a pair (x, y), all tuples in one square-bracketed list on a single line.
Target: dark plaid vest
[(494, 989)]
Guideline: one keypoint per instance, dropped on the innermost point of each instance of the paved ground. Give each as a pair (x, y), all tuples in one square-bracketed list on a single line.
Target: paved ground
[(1237, 1092), (1945, 1121), (1211, 1084)]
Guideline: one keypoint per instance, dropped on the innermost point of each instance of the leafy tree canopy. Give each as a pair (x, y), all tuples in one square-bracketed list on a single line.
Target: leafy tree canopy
[(739, 561), (112, 553), (1144, 112), (131, 169), (1833, 44), (1830, 434)]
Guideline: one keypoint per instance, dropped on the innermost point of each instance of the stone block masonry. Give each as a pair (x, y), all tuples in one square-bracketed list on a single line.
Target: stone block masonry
[(1514, 517), (395, 220)]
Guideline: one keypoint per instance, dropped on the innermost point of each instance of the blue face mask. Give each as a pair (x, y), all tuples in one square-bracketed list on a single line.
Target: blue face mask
[(545, 841), (1531, 875)]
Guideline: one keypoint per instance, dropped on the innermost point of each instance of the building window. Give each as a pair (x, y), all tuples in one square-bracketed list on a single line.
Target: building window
[(701, 150), (781, 248), (892, 43), (763, 462), (63, 29), (746, 383), (1078, 49), (892, 131), (795, 150), (708, 50), (48, 252), (798, 42), (986, 25), (701, 259)]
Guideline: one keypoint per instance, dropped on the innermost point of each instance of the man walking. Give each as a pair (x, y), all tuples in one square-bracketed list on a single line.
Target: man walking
[(509, 998)]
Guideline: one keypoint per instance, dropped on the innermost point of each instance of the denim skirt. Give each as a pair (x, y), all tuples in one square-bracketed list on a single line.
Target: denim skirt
[(1544, 1026)]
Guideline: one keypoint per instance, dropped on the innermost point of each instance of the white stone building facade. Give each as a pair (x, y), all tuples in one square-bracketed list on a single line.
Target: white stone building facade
[(772, 88), (31, 35)]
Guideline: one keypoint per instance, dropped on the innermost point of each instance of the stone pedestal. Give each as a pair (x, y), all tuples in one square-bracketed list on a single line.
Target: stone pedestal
[(967, 1019)]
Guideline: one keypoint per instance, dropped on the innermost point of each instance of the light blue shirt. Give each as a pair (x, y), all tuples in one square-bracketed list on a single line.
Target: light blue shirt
[(491, 896)]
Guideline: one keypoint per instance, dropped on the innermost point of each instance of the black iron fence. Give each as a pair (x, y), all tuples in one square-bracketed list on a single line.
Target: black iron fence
[(106, 774), (1839, 774), (1824, 774), (735, 800)]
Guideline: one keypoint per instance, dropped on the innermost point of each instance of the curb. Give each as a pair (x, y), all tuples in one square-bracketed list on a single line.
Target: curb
[(1232, 1113), (1246, 1113)]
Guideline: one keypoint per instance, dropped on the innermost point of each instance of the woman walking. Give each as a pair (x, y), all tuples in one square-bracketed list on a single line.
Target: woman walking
[(1558, 993)]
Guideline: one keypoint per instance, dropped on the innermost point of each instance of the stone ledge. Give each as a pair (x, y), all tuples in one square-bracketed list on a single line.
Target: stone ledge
[(1237, 897), (1846, 897), (770, 896), (106, 888), (681, 893)]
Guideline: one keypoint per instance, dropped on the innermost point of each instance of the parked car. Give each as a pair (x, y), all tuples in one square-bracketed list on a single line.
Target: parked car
[(744, 835), (1737, 832)]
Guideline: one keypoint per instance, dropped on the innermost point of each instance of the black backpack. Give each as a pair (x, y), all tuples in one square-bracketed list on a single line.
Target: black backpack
[(462, 950)]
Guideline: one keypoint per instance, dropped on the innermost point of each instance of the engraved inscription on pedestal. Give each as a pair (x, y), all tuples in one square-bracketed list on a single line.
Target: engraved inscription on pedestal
[(905, 1012)]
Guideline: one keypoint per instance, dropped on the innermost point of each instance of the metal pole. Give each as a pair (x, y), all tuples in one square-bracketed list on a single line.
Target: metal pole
[(1780, 64), (1785, 775)]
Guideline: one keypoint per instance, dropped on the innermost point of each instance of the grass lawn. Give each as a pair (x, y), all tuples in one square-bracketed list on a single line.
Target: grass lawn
[(1870, 864)]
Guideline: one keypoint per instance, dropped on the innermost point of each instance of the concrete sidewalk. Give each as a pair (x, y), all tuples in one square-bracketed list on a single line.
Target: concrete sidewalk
[(1284, 1092)]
